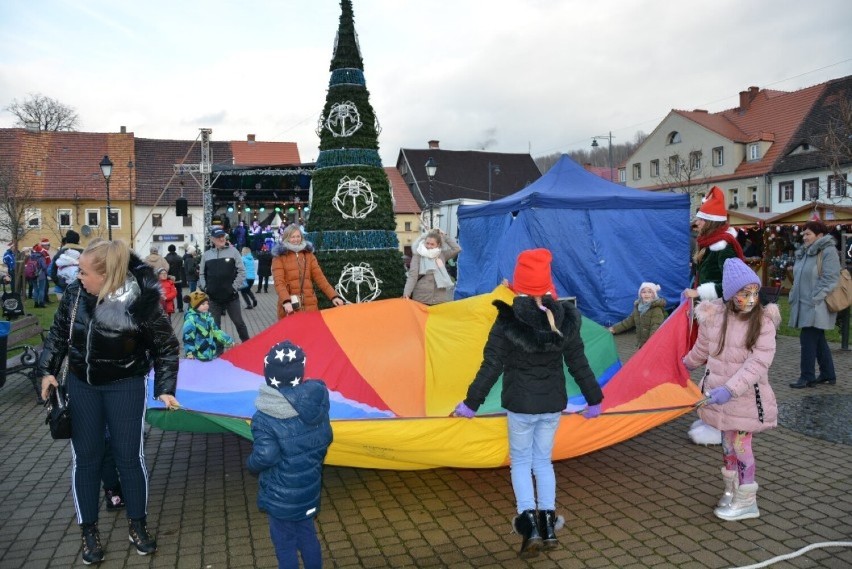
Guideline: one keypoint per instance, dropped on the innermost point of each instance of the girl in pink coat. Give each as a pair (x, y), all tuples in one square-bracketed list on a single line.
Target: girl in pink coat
[(736, 342)]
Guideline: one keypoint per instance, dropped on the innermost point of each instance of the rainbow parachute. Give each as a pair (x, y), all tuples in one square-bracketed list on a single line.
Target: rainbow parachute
[(396, 369)]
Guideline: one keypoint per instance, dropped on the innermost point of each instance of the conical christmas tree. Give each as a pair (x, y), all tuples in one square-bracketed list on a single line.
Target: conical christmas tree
[(351, 220)]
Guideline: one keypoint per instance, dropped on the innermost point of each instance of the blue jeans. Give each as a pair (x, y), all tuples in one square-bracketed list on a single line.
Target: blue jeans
[(291, 538), (815, 350), (531, 448), (39, 291)]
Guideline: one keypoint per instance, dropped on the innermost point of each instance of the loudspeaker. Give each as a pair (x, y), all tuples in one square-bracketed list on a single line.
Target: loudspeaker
[(181, 207)]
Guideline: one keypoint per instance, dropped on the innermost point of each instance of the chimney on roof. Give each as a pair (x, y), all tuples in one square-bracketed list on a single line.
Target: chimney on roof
[(123, 129), (746, 97), (433, 144), (700, 111), (32, 126), (250, 138)]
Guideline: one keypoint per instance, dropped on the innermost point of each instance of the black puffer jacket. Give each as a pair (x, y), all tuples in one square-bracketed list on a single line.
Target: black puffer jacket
[(119, 338), (529, 354)]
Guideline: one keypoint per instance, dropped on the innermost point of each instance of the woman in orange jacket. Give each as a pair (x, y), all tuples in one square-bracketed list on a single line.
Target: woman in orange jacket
[(295, 271)]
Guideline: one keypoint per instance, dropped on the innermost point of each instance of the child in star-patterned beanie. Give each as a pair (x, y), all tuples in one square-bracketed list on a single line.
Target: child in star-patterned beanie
[(292, 432)]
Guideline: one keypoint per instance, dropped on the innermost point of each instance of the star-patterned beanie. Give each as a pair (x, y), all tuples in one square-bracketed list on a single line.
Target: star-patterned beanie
[(284, 365)]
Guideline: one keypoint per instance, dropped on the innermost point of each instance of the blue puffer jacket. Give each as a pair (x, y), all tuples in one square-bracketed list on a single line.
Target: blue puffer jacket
[(291, 431)]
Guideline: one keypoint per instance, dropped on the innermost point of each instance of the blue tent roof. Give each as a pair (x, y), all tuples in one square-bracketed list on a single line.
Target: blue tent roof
[(567, 184), (606, 240)]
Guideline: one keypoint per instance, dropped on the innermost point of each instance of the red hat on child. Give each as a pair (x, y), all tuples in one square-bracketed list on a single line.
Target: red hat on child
[(713, 206), (532, 273), (45, 242)]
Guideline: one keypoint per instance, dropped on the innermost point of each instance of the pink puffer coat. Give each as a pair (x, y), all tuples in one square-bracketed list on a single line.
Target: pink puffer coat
[(745, 373)]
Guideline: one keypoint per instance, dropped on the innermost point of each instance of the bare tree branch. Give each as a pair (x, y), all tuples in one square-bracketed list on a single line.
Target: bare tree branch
[(838, 140), (47, 113), (16, 201)]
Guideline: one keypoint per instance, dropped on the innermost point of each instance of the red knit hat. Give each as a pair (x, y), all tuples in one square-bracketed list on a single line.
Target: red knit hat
[(532, 273), (713, 206), (45, 242)]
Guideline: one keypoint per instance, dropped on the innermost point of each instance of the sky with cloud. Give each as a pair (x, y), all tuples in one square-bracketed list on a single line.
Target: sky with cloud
[(538, 76)]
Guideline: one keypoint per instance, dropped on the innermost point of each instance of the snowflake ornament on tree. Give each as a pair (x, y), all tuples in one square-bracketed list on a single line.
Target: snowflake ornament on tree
[(354, 198), (354, 278), (343, 119)]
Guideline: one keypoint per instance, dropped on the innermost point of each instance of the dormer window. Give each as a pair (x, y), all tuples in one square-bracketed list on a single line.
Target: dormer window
[(804, 148), (674, 137), (754, 151)]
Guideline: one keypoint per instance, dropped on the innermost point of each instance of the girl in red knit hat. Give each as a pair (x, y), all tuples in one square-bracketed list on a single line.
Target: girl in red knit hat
[(527, 346)]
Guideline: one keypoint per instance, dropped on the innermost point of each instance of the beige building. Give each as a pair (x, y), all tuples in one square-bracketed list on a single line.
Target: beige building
[(768, 154)]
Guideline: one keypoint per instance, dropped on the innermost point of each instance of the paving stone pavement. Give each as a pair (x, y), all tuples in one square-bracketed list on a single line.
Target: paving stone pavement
[(646, 502)]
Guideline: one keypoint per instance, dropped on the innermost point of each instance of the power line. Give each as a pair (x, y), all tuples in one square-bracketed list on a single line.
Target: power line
[(636, 125)]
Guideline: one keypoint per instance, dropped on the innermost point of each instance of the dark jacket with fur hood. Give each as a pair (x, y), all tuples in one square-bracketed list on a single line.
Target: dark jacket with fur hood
[(122, 337), (523, 348)]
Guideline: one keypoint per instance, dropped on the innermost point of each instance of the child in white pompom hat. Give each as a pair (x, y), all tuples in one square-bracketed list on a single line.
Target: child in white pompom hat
[(649, 311)]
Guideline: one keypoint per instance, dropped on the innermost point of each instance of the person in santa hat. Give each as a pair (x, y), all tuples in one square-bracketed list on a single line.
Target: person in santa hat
[(717, 242), (527, 346)]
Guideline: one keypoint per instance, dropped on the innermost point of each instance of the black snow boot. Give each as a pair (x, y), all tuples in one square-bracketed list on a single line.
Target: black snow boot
[(546, 520), (526, 524)]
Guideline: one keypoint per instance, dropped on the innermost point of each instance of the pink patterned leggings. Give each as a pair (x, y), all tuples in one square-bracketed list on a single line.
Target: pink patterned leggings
[(736, 450)]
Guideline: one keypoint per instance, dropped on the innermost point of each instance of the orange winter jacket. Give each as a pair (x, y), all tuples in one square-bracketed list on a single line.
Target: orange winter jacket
[(297, 274)]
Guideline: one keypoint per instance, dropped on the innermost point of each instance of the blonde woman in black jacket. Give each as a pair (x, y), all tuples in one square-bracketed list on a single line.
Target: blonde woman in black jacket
[(118, 333)]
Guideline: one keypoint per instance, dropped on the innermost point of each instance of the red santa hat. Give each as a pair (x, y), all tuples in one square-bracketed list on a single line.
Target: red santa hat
[(713, 206), (45, 242)]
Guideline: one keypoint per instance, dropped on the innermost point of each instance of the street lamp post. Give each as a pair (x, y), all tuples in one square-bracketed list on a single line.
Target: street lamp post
[(595, 145), (495, 168), (106, 170), (431, 170)]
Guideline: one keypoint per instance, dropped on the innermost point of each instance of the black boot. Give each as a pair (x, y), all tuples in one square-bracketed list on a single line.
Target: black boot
[(546, 519), (800, 383), (92, 550), (526, 525), (139, 536)]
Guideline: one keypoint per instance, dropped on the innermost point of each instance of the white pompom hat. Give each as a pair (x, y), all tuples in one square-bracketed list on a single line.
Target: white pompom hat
[(655, 288)]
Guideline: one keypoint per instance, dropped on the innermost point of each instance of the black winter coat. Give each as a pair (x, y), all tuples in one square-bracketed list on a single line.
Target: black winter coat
[(264, 263), (175, 262), (523, 348), (116, 339)]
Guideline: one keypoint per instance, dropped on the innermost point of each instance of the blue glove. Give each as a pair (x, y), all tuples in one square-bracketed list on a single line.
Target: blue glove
[(463, 410), (592, 411), (719, 396)]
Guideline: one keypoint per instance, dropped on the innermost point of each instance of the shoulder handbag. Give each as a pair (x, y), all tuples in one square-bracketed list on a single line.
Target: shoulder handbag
[(840, 298), (58, 412)]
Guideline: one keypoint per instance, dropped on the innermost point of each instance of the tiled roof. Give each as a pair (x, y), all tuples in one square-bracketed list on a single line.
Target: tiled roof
[(66, 165), (813, 129), (775, 112), (404, 202), (605, 172), (464, 173), (771, 116), (251, 153), (716, 122), (155, 160)]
